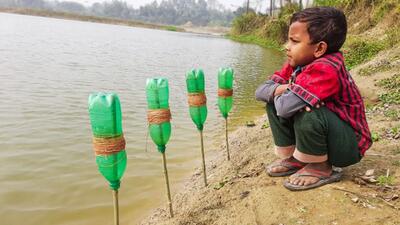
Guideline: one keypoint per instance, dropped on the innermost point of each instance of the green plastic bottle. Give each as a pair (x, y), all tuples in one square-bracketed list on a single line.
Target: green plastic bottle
[(106, 121), (225, 81), (195, 84), (157, 93)]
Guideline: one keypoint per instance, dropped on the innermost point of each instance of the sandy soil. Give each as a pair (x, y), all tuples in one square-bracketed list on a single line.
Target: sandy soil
[(240, 192)]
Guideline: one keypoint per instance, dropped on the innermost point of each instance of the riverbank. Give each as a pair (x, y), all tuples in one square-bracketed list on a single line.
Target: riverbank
[(87, 18), (215, 31), (240, 192)]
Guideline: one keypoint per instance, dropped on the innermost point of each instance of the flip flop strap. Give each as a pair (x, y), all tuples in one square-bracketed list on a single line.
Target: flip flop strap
[(287, 163), (290, 165), (306, 172)]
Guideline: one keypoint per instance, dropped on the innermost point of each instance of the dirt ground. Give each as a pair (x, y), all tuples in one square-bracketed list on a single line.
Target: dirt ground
[(240, 192)]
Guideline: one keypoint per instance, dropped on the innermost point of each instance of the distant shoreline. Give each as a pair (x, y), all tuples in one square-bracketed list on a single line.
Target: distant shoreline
[(87, 18), (215, 31)]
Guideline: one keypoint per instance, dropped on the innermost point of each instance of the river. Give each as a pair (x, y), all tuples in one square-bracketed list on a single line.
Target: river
[(49, 67)]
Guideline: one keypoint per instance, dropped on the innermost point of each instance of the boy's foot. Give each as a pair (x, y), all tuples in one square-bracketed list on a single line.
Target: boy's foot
[(284, 167), (311, 176)]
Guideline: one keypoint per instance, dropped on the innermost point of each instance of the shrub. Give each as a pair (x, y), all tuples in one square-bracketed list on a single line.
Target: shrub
[(245, 23), (333, 3)]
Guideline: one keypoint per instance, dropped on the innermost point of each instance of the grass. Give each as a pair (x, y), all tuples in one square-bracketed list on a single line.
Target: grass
[(385, 180), (392, 86), (333, 3), (383, 66), (359, 50), (171, 28), (391, 83), (395, 130), (375, 136), (390, 97), (392, 114), (254, 39)]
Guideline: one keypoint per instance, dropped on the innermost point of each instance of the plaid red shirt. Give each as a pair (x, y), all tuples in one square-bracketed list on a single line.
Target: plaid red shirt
[(326, 79)]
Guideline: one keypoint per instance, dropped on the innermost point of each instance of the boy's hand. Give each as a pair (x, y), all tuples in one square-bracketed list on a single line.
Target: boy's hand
[(280, 89), (308, 109)]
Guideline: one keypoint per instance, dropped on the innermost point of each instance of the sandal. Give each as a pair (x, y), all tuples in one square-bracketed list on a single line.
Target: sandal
[(292, 167), (324, 178)]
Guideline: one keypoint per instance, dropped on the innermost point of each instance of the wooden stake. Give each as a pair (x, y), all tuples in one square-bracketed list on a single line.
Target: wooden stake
[(226, 136), (204, 161), (116, 207), (167, 183)]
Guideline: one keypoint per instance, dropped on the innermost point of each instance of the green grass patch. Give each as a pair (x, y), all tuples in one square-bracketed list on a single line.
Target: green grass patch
[(395, 131), (359, 50), (255, 39), (393, 114), (171, 28), (333, 3), (390, 97), (391, 83), (385, 180), (375, 136), (392, 86)]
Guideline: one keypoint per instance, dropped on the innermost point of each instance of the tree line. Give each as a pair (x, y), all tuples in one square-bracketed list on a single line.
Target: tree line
[(172, 12)]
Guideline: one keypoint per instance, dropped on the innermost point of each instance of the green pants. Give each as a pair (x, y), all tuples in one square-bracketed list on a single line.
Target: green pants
[(318, 132)]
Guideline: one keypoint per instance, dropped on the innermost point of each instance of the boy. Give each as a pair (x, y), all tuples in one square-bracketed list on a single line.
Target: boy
[(314, 108)]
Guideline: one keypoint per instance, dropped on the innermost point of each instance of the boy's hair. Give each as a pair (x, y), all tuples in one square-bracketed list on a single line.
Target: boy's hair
[(324, 24)]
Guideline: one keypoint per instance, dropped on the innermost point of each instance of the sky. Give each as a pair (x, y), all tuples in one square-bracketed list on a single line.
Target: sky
[(232, 4)]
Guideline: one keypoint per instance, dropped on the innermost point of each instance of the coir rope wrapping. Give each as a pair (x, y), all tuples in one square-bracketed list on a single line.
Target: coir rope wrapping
[(197, 99), (108, 146), (225, 92), (158, 116)]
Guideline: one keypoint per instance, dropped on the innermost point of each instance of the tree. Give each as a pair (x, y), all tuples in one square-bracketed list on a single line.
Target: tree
[(71, 7)]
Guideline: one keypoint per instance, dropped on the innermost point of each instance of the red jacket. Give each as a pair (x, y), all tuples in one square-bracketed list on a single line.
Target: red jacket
[(326, 79)]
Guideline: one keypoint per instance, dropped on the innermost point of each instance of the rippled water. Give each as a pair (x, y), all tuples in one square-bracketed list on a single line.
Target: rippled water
[(48, 68)]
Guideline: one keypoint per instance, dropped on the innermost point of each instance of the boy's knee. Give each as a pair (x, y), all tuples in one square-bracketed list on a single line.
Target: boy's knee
[(307, 122)]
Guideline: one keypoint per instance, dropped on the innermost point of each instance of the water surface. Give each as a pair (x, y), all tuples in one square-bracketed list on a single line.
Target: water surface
[(49, 67)]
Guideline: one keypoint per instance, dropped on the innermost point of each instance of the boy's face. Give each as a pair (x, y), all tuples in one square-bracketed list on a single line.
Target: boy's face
[(299, 49)]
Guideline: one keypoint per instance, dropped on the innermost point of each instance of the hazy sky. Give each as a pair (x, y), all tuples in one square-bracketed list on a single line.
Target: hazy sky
[(137, 3)]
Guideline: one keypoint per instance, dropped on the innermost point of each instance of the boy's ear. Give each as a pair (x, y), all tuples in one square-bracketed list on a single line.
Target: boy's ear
[(321, 48)]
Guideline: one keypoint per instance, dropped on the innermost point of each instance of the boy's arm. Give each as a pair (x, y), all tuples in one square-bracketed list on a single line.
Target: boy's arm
[(288, 104), (314, 84), (265, 92), (275, 86)]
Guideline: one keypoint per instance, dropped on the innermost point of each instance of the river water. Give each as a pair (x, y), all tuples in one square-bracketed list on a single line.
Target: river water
[(48, 68)]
